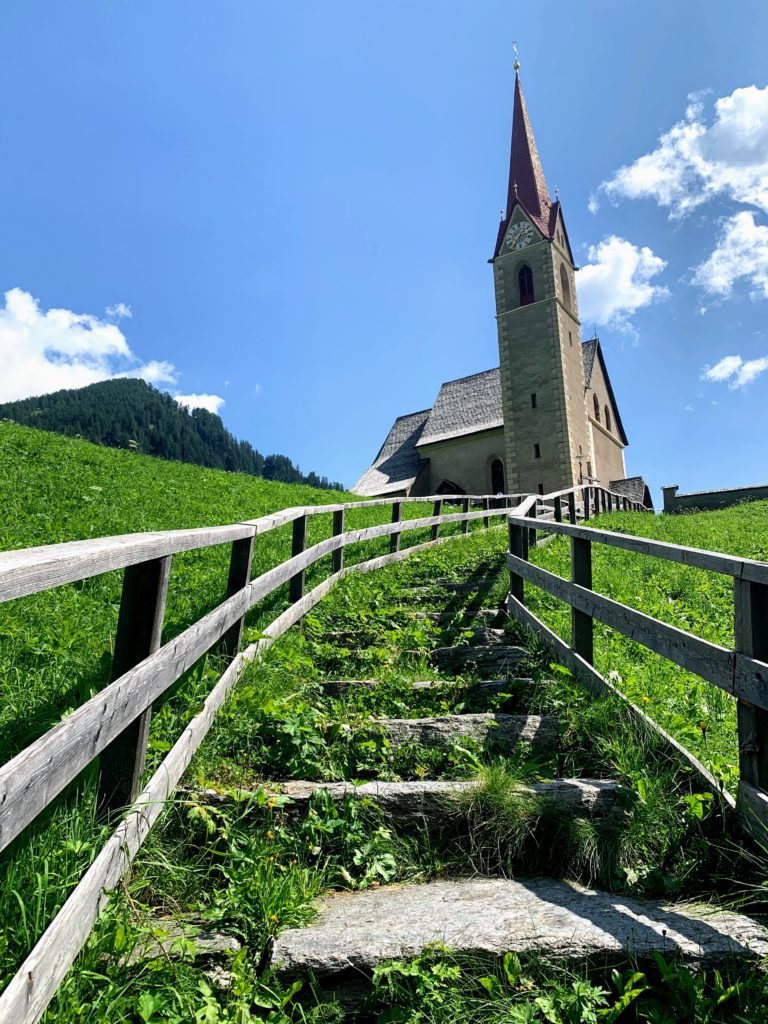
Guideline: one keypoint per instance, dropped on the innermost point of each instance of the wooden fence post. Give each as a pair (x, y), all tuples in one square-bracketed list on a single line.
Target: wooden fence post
[(437, 511), (239, 577), (465, 510), (298, 545), (139, 631), (609, 496), (486, 506), (532, 531), (572, 507), (558, 510), (751, 638), (585, 500), (394, 538), (581, 623), (337, 556), (517, 546)]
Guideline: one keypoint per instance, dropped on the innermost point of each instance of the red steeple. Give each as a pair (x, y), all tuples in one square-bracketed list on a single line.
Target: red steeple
[(527, 184)]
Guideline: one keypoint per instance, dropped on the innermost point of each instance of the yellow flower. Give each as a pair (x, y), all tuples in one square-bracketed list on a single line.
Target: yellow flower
[(270, 803), (645, 698), (274, 918), (270, 835)]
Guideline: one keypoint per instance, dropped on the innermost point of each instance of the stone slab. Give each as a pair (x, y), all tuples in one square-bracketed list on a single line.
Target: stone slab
[(482, 615), (166, 933), (341, 687), (497, 731), (482, 916), (489, 659), (425, 800)]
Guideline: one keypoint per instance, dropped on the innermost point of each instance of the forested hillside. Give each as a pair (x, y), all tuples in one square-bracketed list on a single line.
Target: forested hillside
[(129, 413)]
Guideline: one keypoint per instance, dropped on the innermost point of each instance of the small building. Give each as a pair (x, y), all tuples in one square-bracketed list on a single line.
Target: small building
[(547, 417)]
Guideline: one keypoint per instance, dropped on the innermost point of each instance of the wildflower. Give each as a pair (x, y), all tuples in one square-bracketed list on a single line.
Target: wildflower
[(270, 835), (703, 726), (645, 698), (274, 918), (270, 803)]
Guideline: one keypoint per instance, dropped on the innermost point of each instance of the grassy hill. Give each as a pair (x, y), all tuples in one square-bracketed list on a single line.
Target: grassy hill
[(129, 413), (55, 651), (698, 714)]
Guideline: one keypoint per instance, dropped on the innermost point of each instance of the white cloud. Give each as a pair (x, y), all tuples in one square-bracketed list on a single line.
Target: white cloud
[(737, 371), (695, 161), (119, 311), (617, 282), (741, 252), (257, 389), (45, 350), (210, 402)]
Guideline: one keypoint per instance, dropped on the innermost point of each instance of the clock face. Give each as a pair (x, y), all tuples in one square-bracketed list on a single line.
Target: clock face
[(520, 235)]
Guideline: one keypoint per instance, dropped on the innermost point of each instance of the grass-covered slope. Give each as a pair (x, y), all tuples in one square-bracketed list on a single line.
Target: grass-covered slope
[(129, 413), (698, 714)]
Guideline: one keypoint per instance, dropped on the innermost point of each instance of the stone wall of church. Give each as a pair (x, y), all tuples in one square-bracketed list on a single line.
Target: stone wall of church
[(465, 461), (537, 437)]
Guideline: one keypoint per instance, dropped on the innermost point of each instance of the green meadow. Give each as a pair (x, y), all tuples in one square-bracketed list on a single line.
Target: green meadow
[(701, 716), (246, 866)]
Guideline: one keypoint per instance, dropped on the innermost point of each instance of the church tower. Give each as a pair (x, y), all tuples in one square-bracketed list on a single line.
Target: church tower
[(547, 432)]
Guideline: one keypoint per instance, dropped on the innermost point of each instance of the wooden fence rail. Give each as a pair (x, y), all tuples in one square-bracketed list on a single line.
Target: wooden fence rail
[(113, 725), (741, 672)]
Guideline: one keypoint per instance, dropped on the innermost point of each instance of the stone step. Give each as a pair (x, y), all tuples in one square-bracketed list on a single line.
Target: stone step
[(428, 801), (354, 932), (166, 937), (437, 587), (482, 614), (484, 636), (495, 731), (488, 659), (342, 687)]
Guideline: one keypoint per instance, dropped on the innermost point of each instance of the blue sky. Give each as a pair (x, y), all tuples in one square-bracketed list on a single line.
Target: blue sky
[(295, 203)]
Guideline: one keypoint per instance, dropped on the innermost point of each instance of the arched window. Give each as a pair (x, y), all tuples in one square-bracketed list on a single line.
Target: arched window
[(565, 286), (497, 477), (596, 403), (608, 417), (525, 281)]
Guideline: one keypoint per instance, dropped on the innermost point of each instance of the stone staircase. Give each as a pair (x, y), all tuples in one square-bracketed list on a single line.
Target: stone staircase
[(483, 912), (354, 932)]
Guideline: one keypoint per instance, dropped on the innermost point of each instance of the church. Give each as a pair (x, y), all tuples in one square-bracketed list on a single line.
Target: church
[(546, 418)]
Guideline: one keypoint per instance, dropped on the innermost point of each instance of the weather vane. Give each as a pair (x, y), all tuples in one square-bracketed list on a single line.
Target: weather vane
[(516, 65)]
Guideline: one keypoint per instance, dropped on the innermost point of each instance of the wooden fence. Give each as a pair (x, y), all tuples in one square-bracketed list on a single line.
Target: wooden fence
[(741, 672), (113, 725)]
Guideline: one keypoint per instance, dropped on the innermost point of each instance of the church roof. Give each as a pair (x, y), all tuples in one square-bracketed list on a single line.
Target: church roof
[(635, 488), (526, 175), (465, 406), (590, 350), (398, 463), (527, 186)]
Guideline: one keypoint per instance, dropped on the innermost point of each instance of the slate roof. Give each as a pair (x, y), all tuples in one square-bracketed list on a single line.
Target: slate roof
[(590, 350), (465, 406), (633, 487), (398, 463)]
